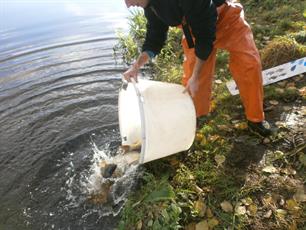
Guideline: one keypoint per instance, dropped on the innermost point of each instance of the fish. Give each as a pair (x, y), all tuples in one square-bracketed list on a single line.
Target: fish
[(133, 147), (108, 170), (115, 166)]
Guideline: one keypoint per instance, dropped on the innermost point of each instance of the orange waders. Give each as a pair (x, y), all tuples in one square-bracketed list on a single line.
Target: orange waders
[(234, 35)]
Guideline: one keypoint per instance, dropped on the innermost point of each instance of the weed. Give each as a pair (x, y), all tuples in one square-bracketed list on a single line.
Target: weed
[(281, 50), (167, 196)]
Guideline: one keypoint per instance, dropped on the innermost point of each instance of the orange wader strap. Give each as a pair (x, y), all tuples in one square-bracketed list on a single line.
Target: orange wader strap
[(187, 33)]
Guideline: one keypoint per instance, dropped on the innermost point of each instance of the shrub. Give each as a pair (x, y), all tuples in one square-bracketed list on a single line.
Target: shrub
[(282, 50)]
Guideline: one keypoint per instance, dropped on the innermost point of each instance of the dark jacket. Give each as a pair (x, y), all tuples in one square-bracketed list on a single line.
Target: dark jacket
[(201, 16)]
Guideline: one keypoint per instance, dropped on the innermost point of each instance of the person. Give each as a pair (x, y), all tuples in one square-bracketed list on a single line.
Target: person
[(207, 25)]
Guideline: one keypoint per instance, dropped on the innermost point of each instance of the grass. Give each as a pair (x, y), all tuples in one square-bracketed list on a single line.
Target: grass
[(229, 179)]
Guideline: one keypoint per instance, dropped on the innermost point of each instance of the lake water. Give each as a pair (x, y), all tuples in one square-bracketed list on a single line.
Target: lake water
[(59, 83)]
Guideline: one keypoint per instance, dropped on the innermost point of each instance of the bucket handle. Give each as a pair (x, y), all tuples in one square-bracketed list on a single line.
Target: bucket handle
[(141, 110), (137, 89), (142, 120), (125, 85)]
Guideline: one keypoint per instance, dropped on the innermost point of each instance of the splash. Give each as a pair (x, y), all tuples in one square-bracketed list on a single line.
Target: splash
[(107, 196)]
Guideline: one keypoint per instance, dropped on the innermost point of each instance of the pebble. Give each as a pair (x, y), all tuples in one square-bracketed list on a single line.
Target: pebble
[(268, 214), (274, 102), (286, 108), (266, 141)]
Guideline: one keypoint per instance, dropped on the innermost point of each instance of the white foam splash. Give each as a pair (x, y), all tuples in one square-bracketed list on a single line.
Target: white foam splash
[(90, 182)]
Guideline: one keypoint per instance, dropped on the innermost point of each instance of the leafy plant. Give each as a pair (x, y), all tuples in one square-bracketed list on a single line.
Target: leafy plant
[(129, 46), (154, 207), (167, 195)]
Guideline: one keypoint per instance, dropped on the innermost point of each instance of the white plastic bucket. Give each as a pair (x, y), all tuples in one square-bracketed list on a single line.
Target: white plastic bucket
[(159, 116)]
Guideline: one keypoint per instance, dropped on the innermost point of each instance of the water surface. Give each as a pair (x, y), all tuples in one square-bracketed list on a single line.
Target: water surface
[(59, 83)]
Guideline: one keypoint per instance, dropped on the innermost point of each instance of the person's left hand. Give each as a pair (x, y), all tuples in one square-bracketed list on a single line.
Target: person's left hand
[(192, 85), (132, 72)]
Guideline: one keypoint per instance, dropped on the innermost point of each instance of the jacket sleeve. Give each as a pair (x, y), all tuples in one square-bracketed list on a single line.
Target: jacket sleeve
[(156, 33), (201, 15)]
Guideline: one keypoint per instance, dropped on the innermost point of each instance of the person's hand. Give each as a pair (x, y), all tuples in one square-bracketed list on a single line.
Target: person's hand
[(132, 72), (192, 85)]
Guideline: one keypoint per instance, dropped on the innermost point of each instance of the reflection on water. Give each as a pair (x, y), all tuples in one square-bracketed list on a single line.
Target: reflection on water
[(58, 103)]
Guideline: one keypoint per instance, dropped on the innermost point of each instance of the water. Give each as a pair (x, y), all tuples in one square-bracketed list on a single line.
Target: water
[(59, 84)]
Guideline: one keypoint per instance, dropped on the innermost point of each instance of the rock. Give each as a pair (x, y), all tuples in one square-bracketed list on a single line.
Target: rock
[(286, 108), (268, 214), (226, 206), (274, 102), (266, 140), (240, 210), (270, 169)]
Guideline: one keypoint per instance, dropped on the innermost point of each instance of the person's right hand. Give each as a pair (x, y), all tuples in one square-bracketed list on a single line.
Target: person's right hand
[(132, 72), (192, 86)]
